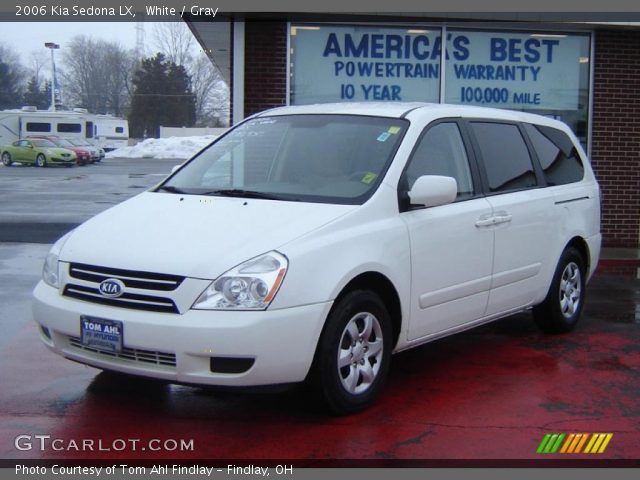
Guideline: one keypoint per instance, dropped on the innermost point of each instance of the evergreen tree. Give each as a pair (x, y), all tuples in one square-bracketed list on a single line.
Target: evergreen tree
[(37, 96), (9, 86), (162, 96)]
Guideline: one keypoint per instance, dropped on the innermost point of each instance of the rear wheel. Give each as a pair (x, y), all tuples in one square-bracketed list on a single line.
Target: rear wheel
[(41, 160), (6, 159), (354, 353), (561, 309)]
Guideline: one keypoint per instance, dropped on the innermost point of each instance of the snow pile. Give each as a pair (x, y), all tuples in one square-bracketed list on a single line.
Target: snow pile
[(172, 147)]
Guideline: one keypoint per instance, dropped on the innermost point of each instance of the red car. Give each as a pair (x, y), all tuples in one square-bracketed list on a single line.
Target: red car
[(84, 156)]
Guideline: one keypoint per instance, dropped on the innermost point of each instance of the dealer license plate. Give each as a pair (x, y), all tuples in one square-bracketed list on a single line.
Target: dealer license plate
[(101, 334)]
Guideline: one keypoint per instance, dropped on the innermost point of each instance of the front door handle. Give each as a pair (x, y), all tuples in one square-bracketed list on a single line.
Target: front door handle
[(486, 220), (492, 219), (502, 217)]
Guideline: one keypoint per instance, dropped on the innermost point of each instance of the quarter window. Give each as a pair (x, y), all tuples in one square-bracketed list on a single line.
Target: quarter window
[(505, 156), (558, 156), (442, 152)]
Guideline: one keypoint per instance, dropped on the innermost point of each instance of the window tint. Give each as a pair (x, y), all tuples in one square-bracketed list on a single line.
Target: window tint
[(505, 156), (441, 152), (119, 130), (69, 128), (38, 127), (558, 156)]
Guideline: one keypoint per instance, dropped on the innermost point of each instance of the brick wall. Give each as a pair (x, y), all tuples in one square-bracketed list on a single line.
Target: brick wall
[(265, 65), (616, 134)]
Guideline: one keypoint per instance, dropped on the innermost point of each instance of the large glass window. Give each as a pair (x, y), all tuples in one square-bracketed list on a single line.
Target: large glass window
[(331, 63), (543, 73), (534, 71)]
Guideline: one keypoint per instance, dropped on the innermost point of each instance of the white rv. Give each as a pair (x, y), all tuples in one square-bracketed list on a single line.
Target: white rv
[(17, 124), (104, 131), (110, 132)]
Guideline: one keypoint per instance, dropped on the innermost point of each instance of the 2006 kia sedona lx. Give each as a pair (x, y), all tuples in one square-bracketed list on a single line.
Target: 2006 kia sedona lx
[(312, 242)]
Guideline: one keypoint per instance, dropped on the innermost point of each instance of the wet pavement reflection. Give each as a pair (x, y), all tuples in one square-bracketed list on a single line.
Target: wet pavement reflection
[(490, 393)]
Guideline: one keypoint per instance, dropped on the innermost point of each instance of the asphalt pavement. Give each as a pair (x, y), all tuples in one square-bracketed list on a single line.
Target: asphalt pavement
[(40, 205)]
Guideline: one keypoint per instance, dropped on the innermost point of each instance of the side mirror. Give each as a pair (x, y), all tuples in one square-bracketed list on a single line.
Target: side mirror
[(433, 190), (175, 169)]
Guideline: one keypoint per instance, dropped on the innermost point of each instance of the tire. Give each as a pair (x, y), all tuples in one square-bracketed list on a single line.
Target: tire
[(41, 161), (561, 309), (358, 330), (6, 159)]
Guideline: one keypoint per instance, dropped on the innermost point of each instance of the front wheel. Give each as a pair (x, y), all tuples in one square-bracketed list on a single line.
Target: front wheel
[(41, 161), (561, 309), (354, 353), (6, 159)]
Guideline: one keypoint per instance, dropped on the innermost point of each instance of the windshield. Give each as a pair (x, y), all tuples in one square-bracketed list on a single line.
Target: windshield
[(315, 158), (65, 143), (41, 142)]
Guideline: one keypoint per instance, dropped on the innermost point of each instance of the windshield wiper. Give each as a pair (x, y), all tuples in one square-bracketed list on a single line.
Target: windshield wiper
[(237, 192), (170, 189)]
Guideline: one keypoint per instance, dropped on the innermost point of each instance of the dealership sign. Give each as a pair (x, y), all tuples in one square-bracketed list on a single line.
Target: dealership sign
[(501, 69)]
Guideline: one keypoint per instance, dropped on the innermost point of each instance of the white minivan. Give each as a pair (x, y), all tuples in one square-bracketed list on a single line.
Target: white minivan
[(313, 242)]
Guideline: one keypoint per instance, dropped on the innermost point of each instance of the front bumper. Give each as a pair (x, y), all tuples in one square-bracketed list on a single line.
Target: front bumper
[(64, 161), (282, 342)]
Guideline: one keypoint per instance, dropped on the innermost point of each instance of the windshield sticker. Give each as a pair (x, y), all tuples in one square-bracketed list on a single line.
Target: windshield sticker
[(384, 136), (369, 178), (394, 130)]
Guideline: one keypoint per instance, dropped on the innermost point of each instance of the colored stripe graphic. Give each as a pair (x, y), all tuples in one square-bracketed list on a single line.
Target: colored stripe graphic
[(572, 443), (543, 443)]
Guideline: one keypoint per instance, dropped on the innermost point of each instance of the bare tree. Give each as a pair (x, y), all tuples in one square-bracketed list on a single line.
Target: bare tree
[(96, 75), (38, 62), (212, 97), (175, 40)]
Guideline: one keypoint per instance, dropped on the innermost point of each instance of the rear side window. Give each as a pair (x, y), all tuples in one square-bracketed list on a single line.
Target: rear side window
[(558, 156), (505, 156)]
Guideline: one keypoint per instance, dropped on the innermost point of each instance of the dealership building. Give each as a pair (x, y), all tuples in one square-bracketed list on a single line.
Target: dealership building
[(586, 74)]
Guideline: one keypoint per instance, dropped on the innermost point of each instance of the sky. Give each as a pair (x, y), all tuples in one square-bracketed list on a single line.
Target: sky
[(26, 37)]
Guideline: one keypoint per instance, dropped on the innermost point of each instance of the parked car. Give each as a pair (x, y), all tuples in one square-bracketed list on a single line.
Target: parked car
[(83, 156), (311, 243), (97, 154), (39, 151)]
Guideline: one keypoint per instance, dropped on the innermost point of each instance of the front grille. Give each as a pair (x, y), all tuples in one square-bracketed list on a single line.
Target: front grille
[(152, 284), (131, 278), (131, 354)]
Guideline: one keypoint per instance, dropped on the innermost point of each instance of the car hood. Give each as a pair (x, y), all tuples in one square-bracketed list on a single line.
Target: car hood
[(191, 235)]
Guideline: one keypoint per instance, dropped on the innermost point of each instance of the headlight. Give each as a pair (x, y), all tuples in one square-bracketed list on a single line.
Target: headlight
[(50, 271), (249, 286)]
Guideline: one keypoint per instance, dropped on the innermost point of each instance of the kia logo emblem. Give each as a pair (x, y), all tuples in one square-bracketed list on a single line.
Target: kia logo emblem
[(111, 287)]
